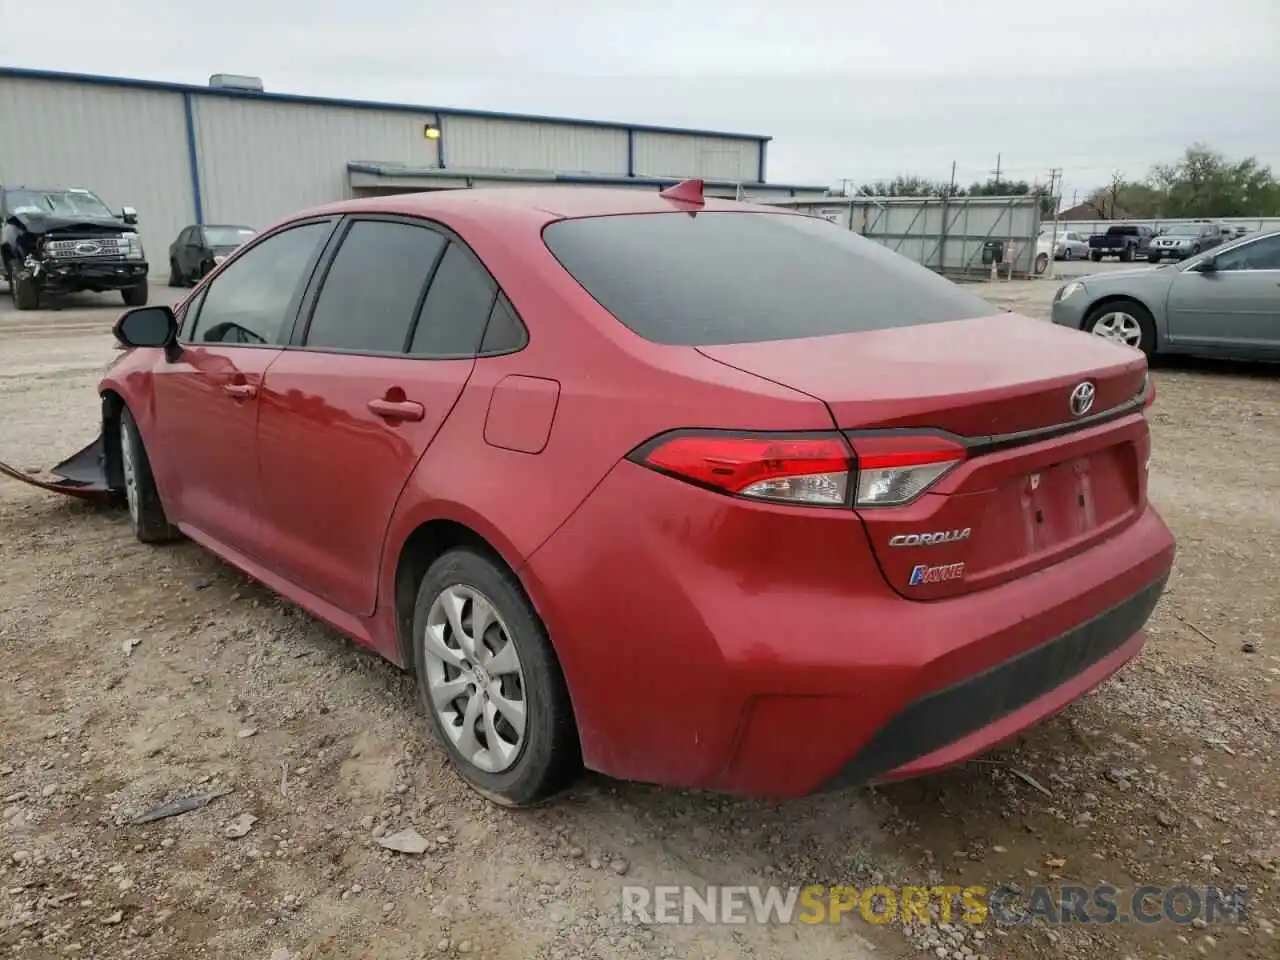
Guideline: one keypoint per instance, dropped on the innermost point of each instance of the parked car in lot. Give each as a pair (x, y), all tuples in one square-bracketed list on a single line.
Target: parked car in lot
[(1224, 302), (1186, 240), (687, 491), (198, 249), (1127, 241), (1067, 245), (62, 240)]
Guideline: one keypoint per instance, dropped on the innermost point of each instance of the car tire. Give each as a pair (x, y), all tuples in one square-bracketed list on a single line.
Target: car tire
[(1095, 256), (1153, 258), (516, 665), (175, 274), (146, 512), (1042, 262), (26, 295), (1066, 253), (135, 296), (1195, 249), (1126, 255), (1119, 330)]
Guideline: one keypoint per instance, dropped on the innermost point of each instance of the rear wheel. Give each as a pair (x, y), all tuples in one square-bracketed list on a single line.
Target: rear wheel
[(1042, 262), (1066, 253), (1125, 321), (135, 296), (1126, 255), (490, 681), (1095, 255), (146, 512)]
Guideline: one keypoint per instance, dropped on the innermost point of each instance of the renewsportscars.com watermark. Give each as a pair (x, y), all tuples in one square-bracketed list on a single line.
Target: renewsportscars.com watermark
[(1104, 904)]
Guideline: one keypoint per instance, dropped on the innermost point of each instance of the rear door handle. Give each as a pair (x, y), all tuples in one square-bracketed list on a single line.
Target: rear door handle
[(397, 409), (241, 391)]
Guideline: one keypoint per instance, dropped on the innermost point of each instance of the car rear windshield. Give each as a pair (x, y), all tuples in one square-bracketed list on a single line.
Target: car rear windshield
[(1121, 231), (715, 278)]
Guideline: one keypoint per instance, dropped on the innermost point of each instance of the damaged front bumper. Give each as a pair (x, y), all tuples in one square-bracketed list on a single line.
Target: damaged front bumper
[(82, 475), (68, 276)]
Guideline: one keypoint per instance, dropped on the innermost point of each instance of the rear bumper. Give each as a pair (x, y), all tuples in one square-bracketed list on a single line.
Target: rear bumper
[(714, 643), (969, 717)]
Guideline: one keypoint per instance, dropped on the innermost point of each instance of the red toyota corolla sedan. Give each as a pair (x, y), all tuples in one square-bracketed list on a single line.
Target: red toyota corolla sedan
[(684, 491)]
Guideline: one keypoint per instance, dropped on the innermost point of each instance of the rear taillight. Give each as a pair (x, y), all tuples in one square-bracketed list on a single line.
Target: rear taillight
[(895, 468), (812, 469), (881, 469)]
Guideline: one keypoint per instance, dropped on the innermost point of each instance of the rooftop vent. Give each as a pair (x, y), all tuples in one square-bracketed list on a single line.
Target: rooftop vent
[(233, 81)]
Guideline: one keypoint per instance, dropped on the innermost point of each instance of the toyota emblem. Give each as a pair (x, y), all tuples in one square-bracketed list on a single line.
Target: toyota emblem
[(1082, 399)]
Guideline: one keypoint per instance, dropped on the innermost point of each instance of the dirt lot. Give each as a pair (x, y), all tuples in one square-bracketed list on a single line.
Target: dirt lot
[(133, 675)]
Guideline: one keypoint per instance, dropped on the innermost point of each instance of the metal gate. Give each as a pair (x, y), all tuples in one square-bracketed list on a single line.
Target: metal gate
[(948, 236)]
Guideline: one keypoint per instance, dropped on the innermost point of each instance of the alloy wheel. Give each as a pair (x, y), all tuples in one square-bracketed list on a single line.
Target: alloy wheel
[(474, 678), (129, 468), (1119, 327)]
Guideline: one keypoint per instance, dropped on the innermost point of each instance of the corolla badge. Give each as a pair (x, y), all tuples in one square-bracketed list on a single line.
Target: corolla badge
[(1082, 398), (929, 539)]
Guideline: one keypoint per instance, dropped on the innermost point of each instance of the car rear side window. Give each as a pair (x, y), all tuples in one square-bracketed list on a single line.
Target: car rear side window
[(716, 278), (505, 332), (248, 302), (373, 287), (456, 309)]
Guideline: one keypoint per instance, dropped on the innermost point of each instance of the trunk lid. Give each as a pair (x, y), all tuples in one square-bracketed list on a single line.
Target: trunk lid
[(1037, 481)]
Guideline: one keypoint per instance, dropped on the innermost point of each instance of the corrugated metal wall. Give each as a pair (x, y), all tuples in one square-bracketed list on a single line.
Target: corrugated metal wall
[(261, 160), (944, 235), (681, 155), (127, 146), (530, 145)]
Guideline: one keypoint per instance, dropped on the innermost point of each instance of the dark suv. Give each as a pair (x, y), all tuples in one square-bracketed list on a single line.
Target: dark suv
[(65, 240)]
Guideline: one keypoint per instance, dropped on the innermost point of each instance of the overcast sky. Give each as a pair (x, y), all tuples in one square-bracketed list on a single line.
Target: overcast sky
[(854, 89)]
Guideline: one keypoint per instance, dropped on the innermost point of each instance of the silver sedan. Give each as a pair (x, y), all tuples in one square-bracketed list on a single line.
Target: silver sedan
[(1223, 303)]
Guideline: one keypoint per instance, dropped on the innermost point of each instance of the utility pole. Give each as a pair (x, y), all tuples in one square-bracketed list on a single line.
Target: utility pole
[(1055, 179), (951, 190), (996, 171)]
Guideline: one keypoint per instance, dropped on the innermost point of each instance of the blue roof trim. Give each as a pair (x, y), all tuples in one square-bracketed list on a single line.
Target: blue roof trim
[(427, 173), (186, 88)]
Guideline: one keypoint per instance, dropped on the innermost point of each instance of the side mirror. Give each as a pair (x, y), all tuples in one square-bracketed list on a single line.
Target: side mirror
[(147, 327), (1208, 265), (129, 215)]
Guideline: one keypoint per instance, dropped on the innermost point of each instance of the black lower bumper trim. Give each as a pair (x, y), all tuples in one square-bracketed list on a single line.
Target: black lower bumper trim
[(948, 715)]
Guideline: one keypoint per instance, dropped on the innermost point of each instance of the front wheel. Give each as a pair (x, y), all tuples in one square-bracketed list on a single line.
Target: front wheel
[(175, 274), (1042, 262), (491, 683), (1126, 255), (146, 512), (1153, 258), (135, 296), (1066, 254), (1095, 256), (1125, 321)]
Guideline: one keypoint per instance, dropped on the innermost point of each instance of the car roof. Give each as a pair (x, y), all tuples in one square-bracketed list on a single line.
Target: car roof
[(545, 203)]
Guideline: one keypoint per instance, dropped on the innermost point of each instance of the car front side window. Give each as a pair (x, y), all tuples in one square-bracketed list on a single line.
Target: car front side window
[(1260, 255), (249, 302)]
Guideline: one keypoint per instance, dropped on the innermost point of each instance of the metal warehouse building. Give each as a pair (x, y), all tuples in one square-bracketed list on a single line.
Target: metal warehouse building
[(187, 154)]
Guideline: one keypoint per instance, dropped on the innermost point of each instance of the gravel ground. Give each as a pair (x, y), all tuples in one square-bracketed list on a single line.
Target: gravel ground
[(134, 676)]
